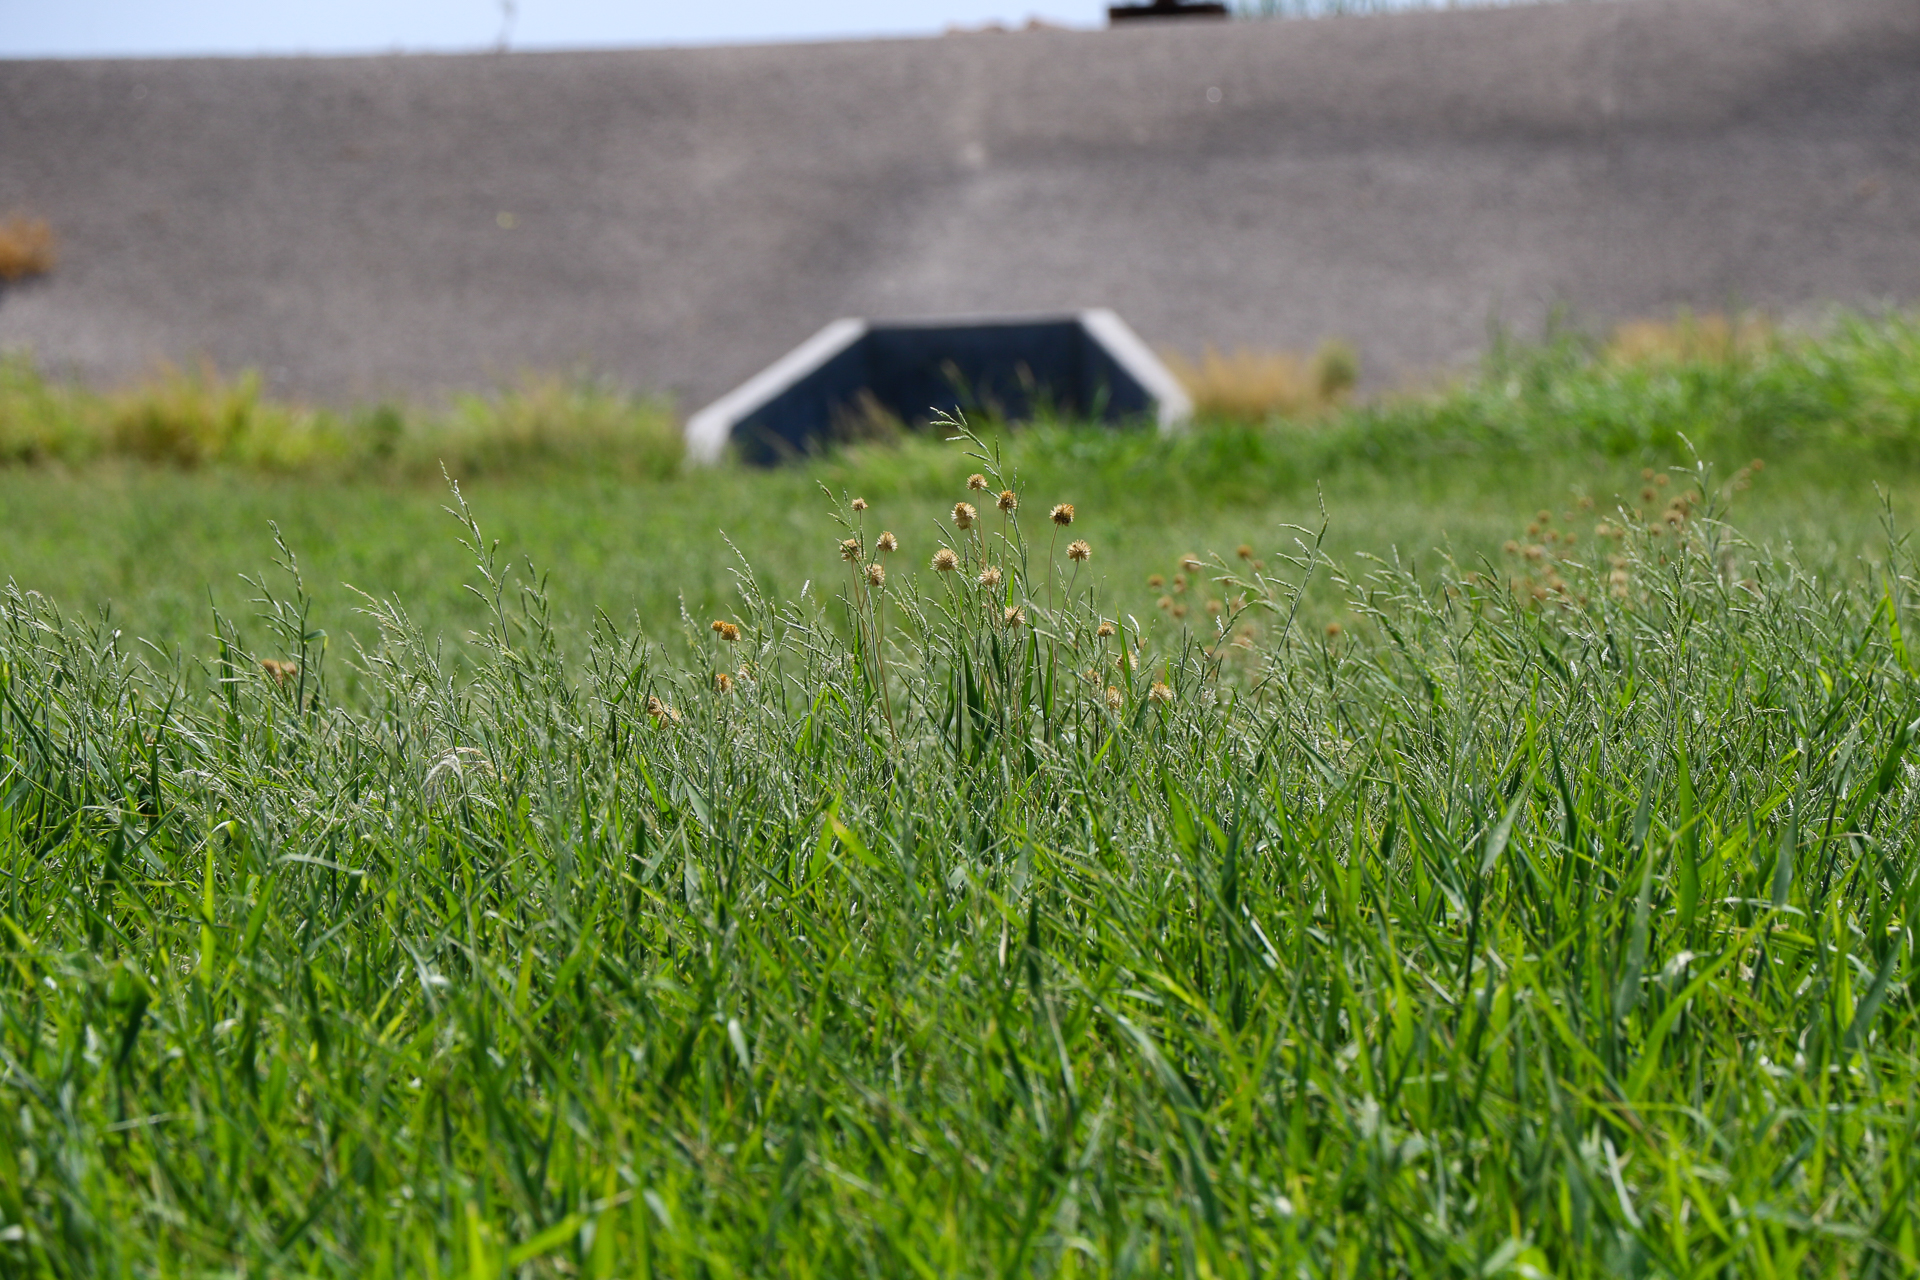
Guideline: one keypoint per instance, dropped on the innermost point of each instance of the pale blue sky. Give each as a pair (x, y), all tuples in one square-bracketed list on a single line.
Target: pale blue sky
[(95, 28)]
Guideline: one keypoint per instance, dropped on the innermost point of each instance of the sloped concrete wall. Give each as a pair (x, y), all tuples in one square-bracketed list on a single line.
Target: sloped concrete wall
[(678, 218)]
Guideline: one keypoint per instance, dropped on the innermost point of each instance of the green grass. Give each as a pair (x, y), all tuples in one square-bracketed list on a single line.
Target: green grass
[(542, 426), (1499, 932), (1464, 468)]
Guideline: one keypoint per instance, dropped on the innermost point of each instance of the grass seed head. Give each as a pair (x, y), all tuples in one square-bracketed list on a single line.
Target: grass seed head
[(1062, 514), (945, 561)]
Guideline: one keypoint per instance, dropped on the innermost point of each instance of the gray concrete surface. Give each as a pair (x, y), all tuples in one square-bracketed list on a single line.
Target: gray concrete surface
[(681, 217)]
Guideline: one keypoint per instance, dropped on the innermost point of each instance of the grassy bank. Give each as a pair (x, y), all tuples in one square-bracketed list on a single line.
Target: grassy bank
[(1509, 872), (160, 538), (931, 923)]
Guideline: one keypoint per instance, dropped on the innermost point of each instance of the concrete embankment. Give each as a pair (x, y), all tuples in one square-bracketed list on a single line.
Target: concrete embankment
[(673, 219)]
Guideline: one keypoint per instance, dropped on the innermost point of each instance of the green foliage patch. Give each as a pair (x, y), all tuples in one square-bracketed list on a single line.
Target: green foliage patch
[(947, 921)]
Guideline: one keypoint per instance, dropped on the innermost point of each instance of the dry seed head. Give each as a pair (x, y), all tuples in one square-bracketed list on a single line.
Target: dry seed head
[(722, 682), (876, 575), (1180, 611), (1511, 547), (661, 712), (1756, 465), (945, 561), (725, 630), (1114, 700), (1646, 473), (990, 576), (1160, 693), (887, 542), (1535, 552), (1585, 503), (1244, 551), (964, 515), (1533, 530), (1213, 607), (1190, 562), (850, 549), (1014, 616), (1104, 630), (283, 673), (1062, 514), (1333, 631), (1078, 551), (1165, 602), (1660, 481), (1156, 581), (859, 504), (1008, 501), (977, 481)]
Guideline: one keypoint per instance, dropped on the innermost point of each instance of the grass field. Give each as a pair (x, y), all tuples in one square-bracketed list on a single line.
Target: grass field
[(1435, 908)]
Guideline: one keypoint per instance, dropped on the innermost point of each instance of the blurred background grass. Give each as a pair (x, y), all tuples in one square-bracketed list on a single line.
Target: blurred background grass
[(149, 502)]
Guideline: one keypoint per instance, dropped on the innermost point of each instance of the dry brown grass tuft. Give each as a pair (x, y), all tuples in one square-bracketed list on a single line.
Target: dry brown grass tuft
[(27, 247), (1691, 339), (1253, 386)]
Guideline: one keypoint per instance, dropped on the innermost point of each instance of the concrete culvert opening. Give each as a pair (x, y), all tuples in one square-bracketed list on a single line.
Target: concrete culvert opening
[(1088, 366)]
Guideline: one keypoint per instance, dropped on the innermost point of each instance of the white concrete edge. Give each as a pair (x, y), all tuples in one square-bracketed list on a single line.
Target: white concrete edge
[(708, 431), (1173, 408)]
